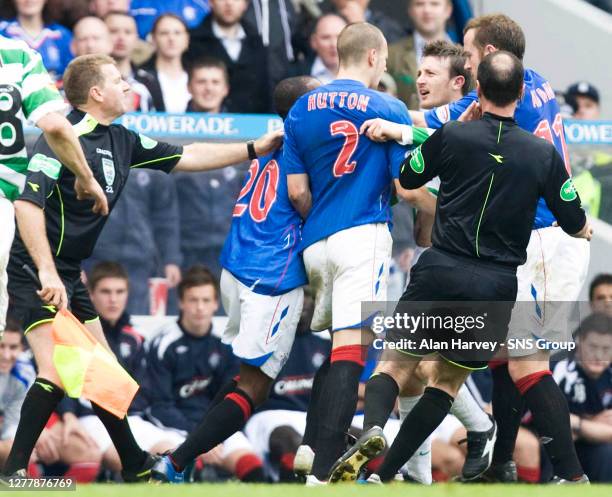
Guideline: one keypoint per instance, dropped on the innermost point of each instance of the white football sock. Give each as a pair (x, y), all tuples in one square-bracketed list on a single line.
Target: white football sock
[(419, 465), (468, 411)]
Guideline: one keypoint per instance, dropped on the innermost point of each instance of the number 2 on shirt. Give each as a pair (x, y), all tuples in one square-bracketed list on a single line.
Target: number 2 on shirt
[(343, 164), (265, 190)]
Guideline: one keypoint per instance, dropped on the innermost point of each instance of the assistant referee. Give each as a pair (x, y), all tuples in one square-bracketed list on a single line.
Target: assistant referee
[(56, 233), (492, 174)]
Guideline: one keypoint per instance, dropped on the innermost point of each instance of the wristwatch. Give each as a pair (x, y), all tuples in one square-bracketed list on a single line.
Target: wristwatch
[(251, 149)]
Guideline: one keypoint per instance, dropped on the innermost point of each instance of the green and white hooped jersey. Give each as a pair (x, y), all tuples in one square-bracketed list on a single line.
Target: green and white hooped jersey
[(26, 92)]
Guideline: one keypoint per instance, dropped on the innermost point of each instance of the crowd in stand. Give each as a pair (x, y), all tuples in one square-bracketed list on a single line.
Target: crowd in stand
[(226, 56), (182, 365)]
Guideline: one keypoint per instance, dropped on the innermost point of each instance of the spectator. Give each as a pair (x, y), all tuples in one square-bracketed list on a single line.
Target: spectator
[(142, 234), (359, 11), (206, 204), (323, 41), (16, 375), (170, 39), (108, 289), (276, 23), (600, 293), (583, 98), (186, 368), (586, 381), (225, 36), (33, 21), (145, 12), (100, 8), (429, 18), (122, 30), (208, 86), (91, 36)]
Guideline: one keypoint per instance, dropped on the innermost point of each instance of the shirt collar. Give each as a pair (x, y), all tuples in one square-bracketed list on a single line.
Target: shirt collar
[(490, 115), (221, 35)]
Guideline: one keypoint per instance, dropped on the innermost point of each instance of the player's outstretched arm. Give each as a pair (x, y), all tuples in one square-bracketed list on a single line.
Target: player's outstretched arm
[(418, 118), (31, 222), (65, 144), (381, 130), (206, 156), (298, 188)]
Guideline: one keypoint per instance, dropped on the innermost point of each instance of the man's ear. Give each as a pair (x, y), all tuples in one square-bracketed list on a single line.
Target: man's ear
[(96, 94), (458, 82), (522, 93), (489, 49), (372, 57), (478, 91)]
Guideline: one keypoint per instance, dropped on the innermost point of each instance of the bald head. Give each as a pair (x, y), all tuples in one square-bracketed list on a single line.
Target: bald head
[(91, 36), (356, 41), (500, 78)]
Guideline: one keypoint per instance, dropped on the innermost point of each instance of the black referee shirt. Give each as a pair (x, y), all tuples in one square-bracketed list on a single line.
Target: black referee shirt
[(492, 174), (111, 151)]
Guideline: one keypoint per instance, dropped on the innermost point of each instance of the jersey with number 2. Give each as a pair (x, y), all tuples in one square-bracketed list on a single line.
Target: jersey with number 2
[(537, 112), (350, 175)]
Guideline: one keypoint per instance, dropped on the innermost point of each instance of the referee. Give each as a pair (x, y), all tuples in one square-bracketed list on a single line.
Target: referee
[(56, 233), (492, 174)]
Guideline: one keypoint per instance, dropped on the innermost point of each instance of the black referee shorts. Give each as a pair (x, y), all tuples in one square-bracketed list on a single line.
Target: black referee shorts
[(446, 286), (30, 311)]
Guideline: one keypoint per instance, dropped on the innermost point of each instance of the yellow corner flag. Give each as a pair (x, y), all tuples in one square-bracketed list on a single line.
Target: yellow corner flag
[(89, 370)]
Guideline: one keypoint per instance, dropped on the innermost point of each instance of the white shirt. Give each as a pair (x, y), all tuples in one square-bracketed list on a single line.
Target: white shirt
[(321, 72), (233, 45), (174, 92), (419, 45)]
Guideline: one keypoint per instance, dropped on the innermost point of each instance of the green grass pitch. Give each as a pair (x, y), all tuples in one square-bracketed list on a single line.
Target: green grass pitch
[(348, 490)]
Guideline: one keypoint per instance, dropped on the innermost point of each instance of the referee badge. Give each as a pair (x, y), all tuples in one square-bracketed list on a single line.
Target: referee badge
[(108, 166)]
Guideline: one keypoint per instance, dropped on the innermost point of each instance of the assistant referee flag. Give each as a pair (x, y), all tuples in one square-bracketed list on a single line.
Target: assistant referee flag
[(89, 370)]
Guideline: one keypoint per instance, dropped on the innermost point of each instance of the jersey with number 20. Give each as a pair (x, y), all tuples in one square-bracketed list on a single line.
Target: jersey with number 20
[(261, 249), (350, 175), (537, 112)]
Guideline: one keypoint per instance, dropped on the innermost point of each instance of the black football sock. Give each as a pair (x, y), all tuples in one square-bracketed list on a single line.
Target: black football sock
[(222, 421), (336, 410), (226, 389), (552, 421), (424, 418), (508, 407), (313, 414), (380, 396), (40, 402), (131, 455)]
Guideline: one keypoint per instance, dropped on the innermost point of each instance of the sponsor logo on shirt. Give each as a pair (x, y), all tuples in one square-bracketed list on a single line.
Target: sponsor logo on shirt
[(568, 191)]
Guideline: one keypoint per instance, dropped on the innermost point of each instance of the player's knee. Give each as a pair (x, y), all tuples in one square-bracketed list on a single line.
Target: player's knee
[(520, 368), (447, 377)]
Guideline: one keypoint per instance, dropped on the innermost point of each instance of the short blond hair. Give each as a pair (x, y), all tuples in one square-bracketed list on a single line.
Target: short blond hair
[(82, 74), (356, 40)]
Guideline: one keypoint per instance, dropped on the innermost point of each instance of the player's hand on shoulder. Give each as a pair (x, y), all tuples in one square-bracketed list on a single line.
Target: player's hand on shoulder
[(269, 142), (89, 188), (380, 130), (472, 113), (53, 291)]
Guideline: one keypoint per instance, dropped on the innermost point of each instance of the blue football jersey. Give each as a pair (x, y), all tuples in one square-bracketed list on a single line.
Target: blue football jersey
[(537, 112), (53, 44), (350, 175), (261, 249), (193, 12)]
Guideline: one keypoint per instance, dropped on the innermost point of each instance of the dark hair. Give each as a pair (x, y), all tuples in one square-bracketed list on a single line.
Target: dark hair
[(52, 11), (205, 62), (456, 56), (501, 77), (600, 279), (12, 324), (165, 16), (596, 323), (106, 269), (197, 275), (500, 31), (289, 90)]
